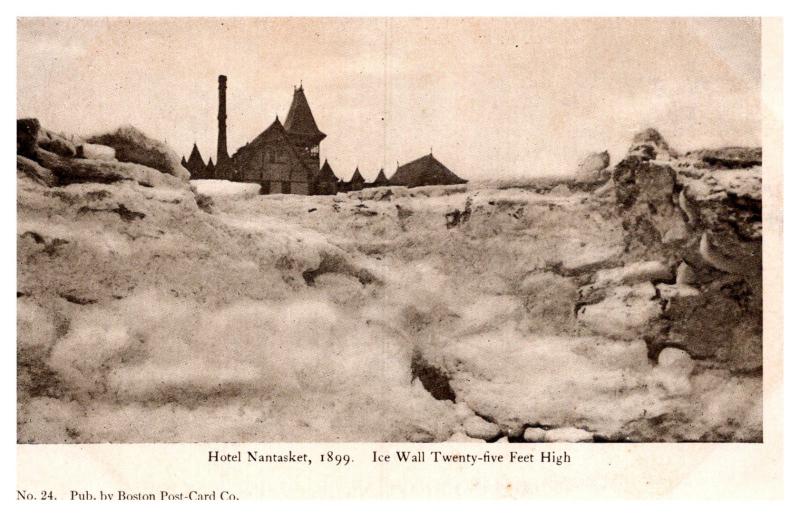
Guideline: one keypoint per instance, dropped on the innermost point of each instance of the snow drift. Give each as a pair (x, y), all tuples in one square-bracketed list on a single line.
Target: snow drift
[(378, 315)]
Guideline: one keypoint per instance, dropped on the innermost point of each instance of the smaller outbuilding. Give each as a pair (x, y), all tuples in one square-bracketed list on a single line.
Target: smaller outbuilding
[(326, 182), (195, 164), (380, 180), (357, 181), (424, 171)]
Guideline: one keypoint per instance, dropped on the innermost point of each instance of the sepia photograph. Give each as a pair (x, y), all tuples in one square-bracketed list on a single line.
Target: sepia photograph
[(389, 230)]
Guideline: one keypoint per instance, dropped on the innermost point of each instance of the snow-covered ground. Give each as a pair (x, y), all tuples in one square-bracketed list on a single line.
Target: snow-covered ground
[(222, 188), (306, 318)]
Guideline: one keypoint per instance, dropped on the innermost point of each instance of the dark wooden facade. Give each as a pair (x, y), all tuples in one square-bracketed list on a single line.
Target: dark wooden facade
[(273, 161), (284, 158)]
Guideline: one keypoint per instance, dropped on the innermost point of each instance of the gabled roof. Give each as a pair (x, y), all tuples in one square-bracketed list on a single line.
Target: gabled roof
[(300, 120), (275, 132), (357, 176), (424, 171), (326, 173)]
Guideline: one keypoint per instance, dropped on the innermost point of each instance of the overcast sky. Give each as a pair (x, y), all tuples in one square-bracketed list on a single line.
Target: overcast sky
[(492, 97)]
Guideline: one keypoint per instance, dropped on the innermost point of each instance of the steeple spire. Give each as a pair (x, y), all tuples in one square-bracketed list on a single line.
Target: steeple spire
[(300, 121)]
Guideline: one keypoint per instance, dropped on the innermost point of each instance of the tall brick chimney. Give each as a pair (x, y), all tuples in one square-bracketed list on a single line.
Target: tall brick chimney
[(222, 135)]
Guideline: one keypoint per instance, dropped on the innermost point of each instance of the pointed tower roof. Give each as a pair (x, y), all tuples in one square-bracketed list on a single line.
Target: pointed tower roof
[(210, 167), (326, 173), (381, 179), (357, 176), (195, 162), (300, 120), (183, 161)]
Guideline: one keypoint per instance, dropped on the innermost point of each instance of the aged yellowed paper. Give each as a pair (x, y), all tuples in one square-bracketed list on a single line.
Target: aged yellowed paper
[(270, 258)]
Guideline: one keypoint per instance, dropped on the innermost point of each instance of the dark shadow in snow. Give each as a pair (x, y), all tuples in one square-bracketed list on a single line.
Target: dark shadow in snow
[(432, 378)]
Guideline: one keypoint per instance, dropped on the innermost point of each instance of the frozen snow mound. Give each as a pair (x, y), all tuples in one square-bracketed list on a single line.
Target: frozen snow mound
[(391, 314), (223, 188), (133, 146)]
